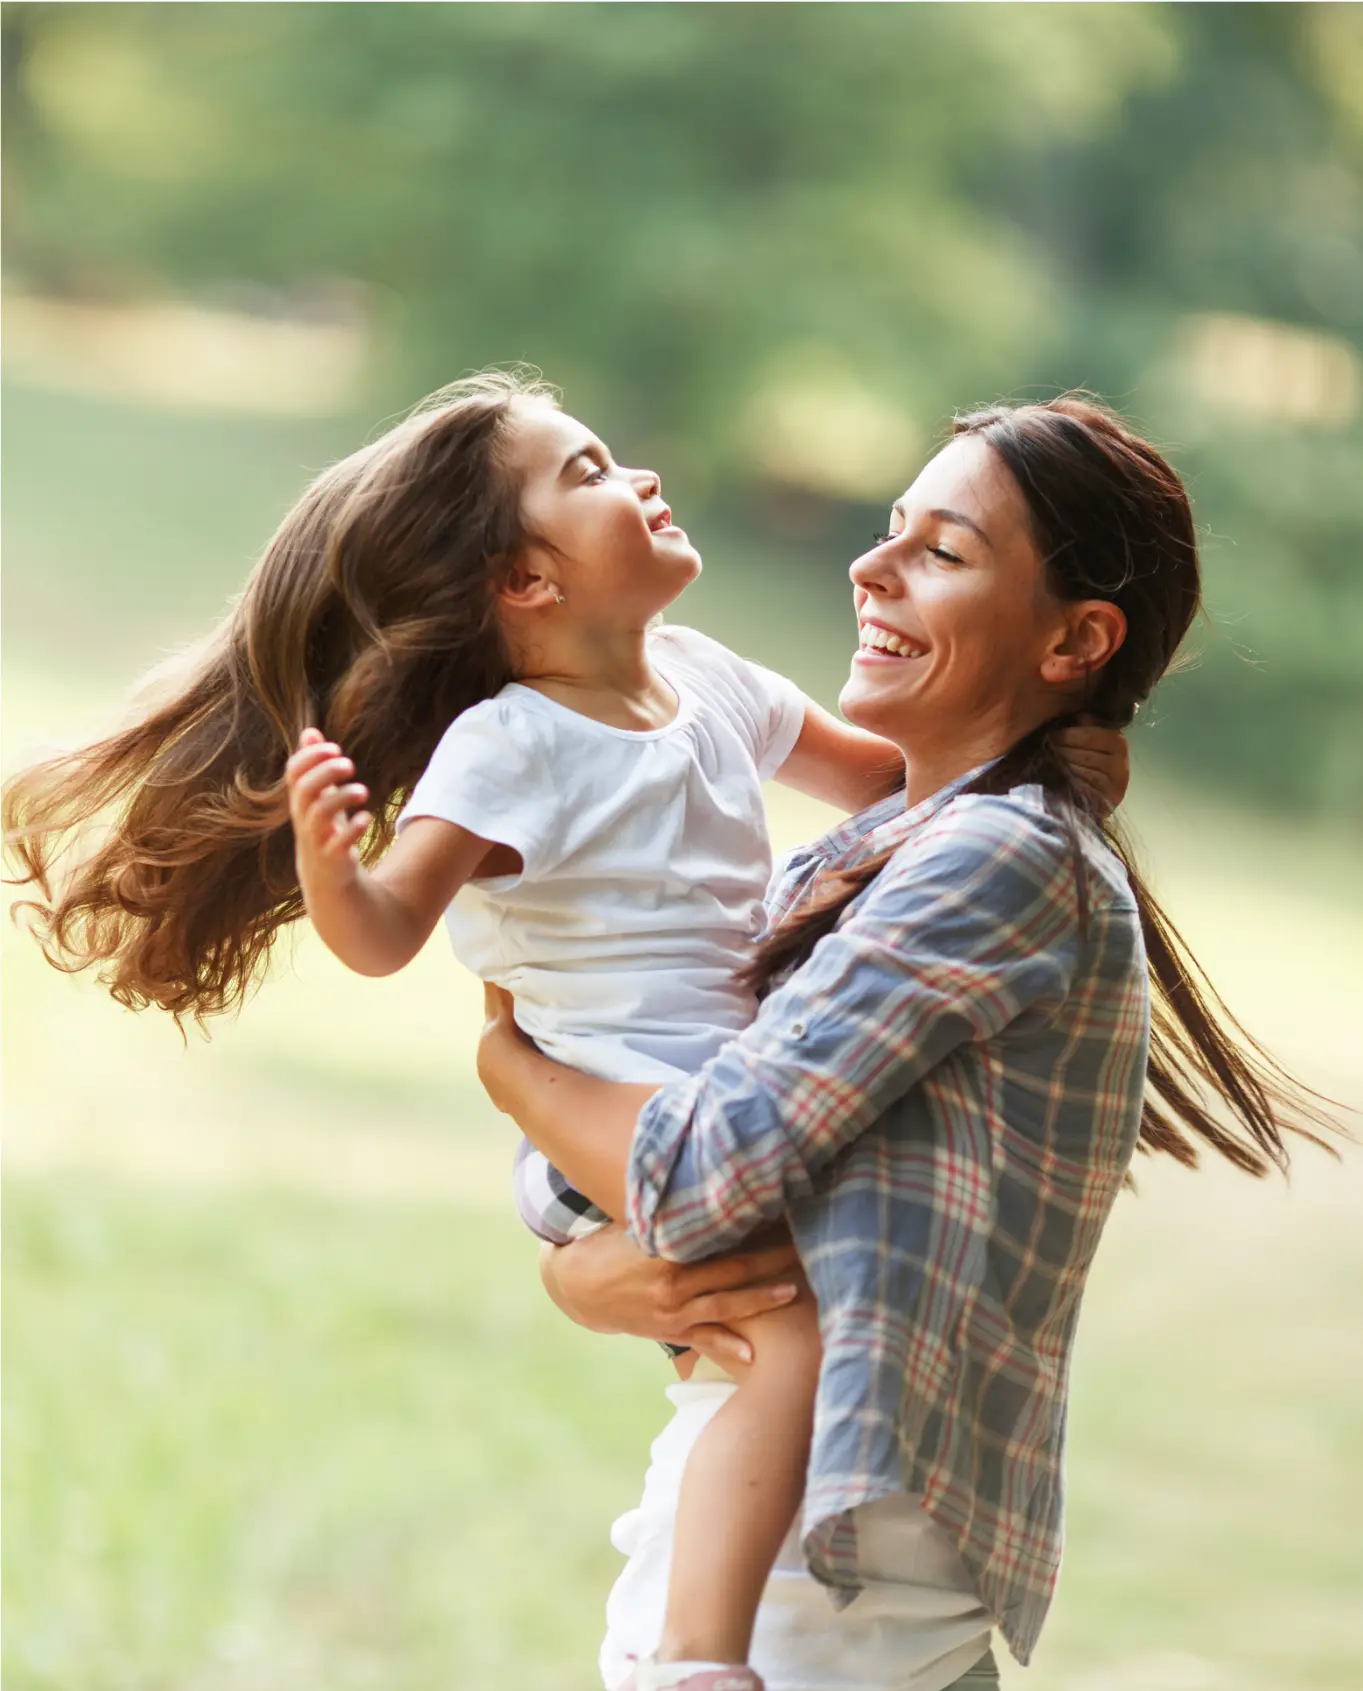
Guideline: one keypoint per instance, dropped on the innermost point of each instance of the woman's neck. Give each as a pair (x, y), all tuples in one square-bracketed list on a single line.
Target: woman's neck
[(932, 763), (604, 676)]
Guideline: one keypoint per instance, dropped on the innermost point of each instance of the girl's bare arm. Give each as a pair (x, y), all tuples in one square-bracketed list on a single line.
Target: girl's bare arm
[(849, 768), (839, 764), (376, 920)]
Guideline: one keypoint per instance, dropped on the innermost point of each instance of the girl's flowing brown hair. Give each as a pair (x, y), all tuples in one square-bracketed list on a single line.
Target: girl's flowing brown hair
[(371, 616), (1111, 520)]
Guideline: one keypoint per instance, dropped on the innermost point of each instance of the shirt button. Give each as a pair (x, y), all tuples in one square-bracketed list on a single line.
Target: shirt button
[(797, 1030)]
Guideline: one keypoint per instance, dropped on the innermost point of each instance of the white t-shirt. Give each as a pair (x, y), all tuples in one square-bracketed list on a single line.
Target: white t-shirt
[(646, 858)]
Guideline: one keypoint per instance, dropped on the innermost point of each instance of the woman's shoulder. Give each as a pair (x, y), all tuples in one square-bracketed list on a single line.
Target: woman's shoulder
[(1022, 820), (1025, 836)]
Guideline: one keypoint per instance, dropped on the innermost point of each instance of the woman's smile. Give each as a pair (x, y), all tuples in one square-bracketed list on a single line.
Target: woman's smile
[(879, 643)]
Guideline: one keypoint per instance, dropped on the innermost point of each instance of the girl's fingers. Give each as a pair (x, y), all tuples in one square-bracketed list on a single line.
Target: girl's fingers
[(345, 838), (309, 755), (332, 799), (1098, 740), (309, 786)]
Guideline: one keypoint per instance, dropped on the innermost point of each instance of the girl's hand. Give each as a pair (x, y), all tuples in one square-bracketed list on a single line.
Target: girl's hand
[(327, 828), (1099, 758), (606, 1283)]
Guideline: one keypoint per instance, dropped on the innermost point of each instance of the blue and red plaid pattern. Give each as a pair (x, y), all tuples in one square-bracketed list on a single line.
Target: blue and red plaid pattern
[(944, 1101)]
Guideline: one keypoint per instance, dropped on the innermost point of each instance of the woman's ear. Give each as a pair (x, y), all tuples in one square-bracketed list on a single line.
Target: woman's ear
[(1094, 630)]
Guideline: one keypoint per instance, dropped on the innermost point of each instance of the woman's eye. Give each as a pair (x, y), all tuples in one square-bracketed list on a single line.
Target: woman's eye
[(598, 474), (942, 553), (880, 539)]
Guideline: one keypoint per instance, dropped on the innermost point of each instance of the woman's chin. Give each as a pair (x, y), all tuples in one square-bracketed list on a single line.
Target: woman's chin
[(867, 702)]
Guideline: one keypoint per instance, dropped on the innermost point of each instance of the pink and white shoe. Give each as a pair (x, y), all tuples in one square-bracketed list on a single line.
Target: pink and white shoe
[(704, 1679)]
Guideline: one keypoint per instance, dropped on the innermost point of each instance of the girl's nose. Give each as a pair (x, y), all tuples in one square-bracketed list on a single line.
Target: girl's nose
[(648, 483)]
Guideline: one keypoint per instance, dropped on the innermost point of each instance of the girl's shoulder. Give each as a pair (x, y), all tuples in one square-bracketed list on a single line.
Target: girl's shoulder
[(511, 728), (676, 643)]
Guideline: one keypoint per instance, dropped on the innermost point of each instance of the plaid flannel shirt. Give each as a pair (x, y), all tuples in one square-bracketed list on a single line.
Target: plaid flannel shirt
[(944, 1101)]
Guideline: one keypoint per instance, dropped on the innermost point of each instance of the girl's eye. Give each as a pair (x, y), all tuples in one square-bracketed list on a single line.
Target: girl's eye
[(942, 553), (598, 474), (880, 539)]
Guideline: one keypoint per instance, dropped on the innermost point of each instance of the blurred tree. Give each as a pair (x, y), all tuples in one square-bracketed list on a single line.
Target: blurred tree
[(779, 243)]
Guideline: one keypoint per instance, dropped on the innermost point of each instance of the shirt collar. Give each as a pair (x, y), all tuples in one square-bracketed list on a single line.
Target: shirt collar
[(885, 820)]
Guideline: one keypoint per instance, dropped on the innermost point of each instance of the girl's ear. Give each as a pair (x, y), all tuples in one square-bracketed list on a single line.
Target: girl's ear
[(1094, 630), (526, 587)]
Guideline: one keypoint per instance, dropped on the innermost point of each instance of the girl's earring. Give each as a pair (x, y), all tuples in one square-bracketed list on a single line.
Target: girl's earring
[(558, 598)]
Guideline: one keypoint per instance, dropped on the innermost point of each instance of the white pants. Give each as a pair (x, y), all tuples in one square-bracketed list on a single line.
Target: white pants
[(917, 1626)]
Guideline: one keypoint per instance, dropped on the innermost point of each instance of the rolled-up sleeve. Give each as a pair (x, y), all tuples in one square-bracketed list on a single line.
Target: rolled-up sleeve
[(973, 924)]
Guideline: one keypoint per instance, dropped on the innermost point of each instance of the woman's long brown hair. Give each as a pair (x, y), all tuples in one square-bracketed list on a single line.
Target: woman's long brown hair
[(1111, 520), (370, 616)]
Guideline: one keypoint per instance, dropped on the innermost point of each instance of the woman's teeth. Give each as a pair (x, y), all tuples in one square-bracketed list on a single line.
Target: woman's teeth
[(875, 639)]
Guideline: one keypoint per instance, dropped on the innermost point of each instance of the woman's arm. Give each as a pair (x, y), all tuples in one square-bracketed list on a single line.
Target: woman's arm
[(374, 921), (974, 924), (583, 1125)]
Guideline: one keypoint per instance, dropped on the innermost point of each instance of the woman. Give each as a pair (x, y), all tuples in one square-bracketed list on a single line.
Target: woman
[(943, 1098)]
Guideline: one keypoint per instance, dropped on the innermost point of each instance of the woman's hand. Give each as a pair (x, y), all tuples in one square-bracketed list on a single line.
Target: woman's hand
[(1099, 758), (606, 1283)]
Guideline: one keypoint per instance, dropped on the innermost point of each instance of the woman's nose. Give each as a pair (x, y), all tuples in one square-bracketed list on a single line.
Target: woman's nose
[(869, 571), (648, 483)]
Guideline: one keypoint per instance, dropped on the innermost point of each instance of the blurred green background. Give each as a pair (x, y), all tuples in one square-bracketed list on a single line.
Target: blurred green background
[(285, 1407)]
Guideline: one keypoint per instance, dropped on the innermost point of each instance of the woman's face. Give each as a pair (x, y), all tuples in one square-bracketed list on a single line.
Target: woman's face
[(957, 624), (613, 550)]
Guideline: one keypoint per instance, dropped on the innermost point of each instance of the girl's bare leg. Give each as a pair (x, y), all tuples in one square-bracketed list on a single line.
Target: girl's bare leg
[(741, 1489)]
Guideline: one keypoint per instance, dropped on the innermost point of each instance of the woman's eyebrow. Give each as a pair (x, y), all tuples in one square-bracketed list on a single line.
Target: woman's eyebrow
[(944, 514)]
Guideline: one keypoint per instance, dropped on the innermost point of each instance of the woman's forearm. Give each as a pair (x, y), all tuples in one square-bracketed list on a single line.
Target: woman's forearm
[(551, 1261), (583, 1125)]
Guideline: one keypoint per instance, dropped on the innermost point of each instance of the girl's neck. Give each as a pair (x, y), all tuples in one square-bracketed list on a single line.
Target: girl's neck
[(606, 677)]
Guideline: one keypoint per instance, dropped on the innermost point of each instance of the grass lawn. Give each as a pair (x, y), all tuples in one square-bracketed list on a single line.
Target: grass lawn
[(285, 1409)]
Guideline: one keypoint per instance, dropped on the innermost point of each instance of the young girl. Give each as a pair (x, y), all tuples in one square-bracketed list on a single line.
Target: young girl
[(465, 606)]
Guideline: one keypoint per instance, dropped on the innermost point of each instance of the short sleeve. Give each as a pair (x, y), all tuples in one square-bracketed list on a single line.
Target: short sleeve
[(489, 774), (780, 707), (768, 710)]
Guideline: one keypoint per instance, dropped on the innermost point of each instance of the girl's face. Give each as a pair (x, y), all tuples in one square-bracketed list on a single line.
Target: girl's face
[(959, 633), (604, 539)]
